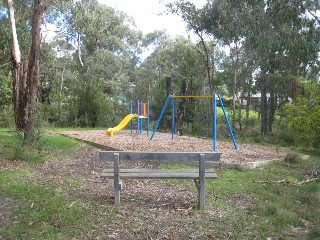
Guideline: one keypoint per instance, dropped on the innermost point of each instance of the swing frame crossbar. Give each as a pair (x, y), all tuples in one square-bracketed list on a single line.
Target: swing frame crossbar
[(214, 117)]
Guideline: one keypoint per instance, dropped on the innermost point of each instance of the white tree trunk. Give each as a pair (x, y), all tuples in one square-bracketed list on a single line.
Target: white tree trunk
[(14, 39)]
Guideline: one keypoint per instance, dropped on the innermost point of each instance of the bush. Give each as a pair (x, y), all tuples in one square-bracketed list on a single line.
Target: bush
[(6, 117), (293, 158), (302, 117)]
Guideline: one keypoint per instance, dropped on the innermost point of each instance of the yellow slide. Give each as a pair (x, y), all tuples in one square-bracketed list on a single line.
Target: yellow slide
[(122, 124)]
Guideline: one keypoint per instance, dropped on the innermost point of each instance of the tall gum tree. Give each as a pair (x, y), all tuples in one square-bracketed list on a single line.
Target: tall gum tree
[(18, 72), (26, 74)]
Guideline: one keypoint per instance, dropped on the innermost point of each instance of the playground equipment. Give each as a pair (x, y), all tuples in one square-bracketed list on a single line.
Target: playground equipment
[(214, 119), (143, 110), (122, 124)]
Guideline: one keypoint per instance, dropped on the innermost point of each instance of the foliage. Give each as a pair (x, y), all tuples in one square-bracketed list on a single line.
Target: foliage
[(302, 117)]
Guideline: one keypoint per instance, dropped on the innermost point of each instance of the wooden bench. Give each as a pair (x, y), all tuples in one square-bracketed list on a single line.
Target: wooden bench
[(198, 175)]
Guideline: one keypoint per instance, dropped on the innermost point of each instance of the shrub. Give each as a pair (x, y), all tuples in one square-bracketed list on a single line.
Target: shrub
[(302, 117)]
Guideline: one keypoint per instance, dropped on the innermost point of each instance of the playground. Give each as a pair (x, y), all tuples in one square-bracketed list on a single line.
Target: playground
[(124, 137), (162, 142)]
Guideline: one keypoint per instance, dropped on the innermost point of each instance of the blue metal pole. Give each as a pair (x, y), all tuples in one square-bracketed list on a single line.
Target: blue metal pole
[(161, 115), (140, 103), (148, 119), (139, 119), (172, 116), (228, 123), (131, 113), (214, 123)]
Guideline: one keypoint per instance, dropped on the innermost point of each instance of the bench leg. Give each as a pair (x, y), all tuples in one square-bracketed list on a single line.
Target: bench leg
[(201, 188), (117, 181)]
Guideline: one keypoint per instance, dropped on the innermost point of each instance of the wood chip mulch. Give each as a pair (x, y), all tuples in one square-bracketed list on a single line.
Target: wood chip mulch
[(162, 142)]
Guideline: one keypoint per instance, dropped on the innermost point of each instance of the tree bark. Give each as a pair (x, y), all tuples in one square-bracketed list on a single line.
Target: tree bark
[(264, 105), (79, 49), (272, 110), (235, 61), (181, 113), (248, 103), (207, 64), (240, 111), (26, 75), (19, 73), (169, 86), (39, 8), (60, 96)]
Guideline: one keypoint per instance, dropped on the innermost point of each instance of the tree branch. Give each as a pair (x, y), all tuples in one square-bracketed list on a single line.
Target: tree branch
[(285, 181), (79, 50), (5, 64)]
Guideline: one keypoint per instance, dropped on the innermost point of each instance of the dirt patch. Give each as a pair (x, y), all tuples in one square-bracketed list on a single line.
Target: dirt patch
[(162, 142)]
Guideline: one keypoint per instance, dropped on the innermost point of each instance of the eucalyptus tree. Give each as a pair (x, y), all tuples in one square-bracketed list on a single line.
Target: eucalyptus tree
[(193, 17), (26, 60), (278, 34), (25, 76), (180, 61), (290, 46), (107, 50)]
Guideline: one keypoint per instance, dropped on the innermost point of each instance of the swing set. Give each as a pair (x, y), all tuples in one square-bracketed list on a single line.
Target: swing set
[(214, 117)]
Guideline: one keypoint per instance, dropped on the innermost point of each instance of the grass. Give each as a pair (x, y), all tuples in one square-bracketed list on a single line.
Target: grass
[(59, 142), (40, 209), (236, 206), (12, 147), (276, 209)]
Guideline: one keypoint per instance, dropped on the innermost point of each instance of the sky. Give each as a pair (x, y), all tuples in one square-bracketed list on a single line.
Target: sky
[(146, 15)]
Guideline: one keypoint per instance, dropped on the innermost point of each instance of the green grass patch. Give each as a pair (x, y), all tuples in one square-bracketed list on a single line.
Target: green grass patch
[(13, 148), (59, 142), (40, 209), (5, 129), (272, 207)]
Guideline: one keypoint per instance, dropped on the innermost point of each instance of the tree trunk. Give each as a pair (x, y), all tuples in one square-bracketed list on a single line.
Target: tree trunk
[(234, 98), (19, 73), (181, 113), (248, 103), (264, 105), (25, 80), (207, 64), (169, 86), (272, 110), (169, 92), (240, 111), (60, 96), (33, 71), (19, 94), (235, 60), (79, 49)]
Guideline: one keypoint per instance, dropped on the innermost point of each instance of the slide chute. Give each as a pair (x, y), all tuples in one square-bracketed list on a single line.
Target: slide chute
[(122, 124)]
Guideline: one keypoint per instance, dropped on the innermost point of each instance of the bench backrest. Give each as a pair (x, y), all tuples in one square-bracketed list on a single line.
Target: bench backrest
[(172, 157)]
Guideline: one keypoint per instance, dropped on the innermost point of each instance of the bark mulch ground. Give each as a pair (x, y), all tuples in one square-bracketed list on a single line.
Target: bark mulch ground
[(162, 142)]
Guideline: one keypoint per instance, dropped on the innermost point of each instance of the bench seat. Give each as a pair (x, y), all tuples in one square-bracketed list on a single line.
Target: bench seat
[(198, 175), (147, 173)]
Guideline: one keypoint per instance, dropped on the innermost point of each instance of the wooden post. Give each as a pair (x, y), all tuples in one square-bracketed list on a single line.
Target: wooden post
[(201, 190), (117, 185)]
